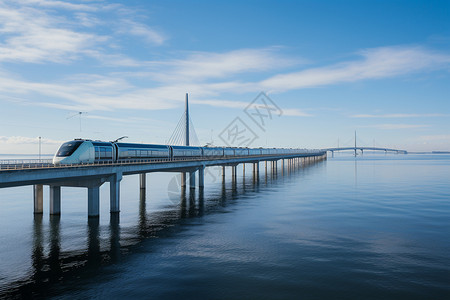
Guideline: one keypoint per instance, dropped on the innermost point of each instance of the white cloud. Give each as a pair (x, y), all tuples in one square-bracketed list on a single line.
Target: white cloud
[(38, 31), (209, 65), (437, 137), (20, 140), (149, 35), (399, 115), (396, 126), (294, 112), (375, 63), (58, 4), (34, 35)]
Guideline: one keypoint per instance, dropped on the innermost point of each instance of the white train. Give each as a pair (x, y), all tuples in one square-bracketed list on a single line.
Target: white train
[(88, 151)]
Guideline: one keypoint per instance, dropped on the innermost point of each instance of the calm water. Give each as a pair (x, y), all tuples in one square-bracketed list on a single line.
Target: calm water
[(372, 228)]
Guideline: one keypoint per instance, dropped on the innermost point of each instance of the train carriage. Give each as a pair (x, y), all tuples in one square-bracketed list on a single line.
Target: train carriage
[(254, 151), (129, 151), (212, 152), (104, 151), (228, 152), (186, 152), (241, 152)]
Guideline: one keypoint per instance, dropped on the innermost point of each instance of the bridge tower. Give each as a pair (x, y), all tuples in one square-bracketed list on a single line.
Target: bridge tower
[(187, 120)]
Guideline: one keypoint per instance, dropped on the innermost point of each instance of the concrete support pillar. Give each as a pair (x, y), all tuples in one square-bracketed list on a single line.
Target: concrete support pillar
[(201, 177), (55, 200), (257, 170), (38, 195), (114, 193), (192, 180), (254, 171), (183, 179), (223, 173), (143, 180), (94, 201), (233, 173)]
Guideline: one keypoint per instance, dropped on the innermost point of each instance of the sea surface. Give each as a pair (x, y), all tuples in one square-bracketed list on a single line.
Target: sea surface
[(370, 227)]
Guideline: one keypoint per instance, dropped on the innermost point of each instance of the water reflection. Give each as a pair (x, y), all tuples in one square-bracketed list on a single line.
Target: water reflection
[(56, 265), (93, 249), (38, 249), (114, 236), (55, 248)]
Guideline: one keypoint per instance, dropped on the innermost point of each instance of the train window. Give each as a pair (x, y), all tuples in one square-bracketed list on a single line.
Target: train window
[(68, 148)]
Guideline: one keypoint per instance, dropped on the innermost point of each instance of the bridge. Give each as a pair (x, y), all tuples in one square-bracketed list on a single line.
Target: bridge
[(93, 175), (355, 149)]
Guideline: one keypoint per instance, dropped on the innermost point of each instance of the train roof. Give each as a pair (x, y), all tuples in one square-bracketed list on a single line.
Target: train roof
[(186, 147), (131, 145)]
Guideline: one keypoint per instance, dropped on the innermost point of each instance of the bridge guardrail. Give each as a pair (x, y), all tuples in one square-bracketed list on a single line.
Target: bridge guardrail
[(48, 163)]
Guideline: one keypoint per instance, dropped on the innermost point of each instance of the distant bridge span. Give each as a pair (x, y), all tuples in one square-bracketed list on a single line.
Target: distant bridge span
[(332, 150)]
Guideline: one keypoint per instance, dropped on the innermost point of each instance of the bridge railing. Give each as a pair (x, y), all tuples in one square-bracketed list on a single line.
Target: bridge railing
[(16, 164)]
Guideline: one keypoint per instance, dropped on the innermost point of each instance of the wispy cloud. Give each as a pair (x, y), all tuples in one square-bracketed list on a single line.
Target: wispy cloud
[(39, 31), (437, 137), (396, 126), (148, 34), (199, 66), (20, 140), (374, 63), (58, 4), (369, 116)]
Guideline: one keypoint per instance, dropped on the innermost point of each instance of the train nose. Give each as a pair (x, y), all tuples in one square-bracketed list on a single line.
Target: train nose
[(58, 160)]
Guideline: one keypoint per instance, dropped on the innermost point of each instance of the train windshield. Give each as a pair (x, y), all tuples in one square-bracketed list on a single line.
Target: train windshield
[(67, 149)]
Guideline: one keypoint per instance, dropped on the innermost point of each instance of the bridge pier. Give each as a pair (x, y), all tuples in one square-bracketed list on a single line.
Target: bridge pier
[(256, 171), (233, 173), (143, 181), (114, 193), (183, 179), (38, 198), (94, 201), (55, 200), (192, 180), (266, 168), (201, 177)]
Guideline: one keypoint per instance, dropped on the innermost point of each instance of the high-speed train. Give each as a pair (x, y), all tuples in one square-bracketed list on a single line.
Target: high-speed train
[(88, 151)]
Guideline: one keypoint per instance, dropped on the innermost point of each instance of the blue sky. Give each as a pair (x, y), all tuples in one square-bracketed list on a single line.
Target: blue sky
[(332, 67)]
